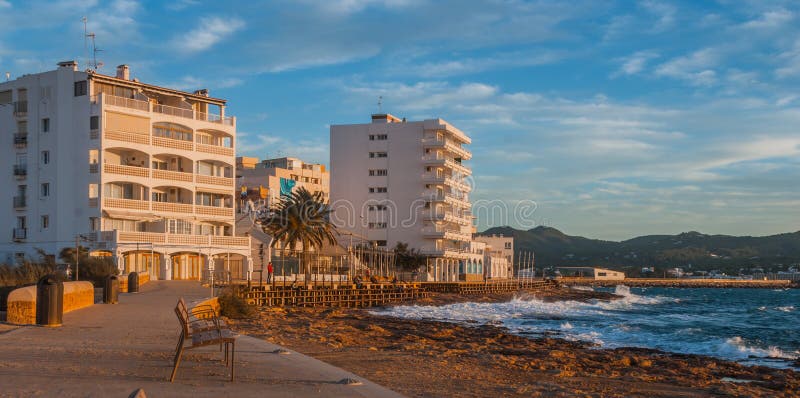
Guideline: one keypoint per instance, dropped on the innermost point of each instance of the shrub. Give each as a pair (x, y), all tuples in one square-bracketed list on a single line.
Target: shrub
[(234, 306)]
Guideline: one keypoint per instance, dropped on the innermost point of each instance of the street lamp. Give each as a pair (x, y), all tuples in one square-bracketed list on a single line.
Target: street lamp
[(78, 239)]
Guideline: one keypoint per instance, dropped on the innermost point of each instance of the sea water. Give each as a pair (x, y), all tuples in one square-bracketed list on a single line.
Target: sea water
[(751, 326)]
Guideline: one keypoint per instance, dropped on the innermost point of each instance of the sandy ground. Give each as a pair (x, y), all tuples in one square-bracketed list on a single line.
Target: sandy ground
[(435, 359)]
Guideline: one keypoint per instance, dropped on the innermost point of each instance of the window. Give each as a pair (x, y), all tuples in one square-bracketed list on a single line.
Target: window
[(381, 172), (377, 154), (508, 245), (381, 137), (159, 197), (377, 189), (377, 207), (381, 243), (371, 136), (179, 227), (46, 125), (377, 225), (80, 88), (93, 190), (94, 122), (45, 222), (45, 189), (45, 157), (94, 223), (5, 97), (94, 156)]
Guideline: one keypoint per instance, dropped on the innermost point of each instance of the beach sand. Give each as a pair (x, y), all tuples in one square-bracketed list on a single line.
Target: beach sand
[(436, 359)]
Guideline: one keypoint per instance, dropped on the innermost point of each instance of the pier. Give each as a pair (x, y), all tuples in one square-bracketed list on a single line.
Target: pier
[(374, 294), (680, 283)]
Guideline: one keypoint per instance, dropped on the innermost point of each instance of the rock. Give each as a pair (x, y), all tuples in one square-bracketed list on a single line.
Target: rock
[(138, 393)]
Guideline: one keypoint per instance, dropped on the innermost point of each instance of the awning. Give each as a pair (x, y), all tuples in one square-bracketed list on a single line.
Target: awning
[(130, 215)]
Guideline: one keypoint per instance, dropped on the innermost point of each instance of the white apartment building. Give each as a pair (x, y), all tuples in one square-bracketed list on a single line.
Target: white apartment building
[(397, 181), (142, 173), (499, 255)]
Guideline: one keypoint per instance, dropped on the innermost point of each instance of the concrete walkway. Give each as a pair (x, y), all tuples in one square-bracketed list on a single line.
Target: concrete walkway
[(111, 350)]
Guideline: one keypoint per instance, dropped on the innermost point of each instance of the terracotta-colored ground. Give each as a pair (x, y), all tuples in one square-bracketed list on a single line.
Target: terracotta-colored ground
[(435, 359)]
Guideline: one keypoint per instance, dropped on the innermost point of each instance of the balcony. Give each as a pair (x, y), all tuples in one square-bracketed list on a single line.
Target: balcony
[(185, 113), (450, 145), (20, 233), (237, 242), (446, 233), (21, 108), (213, 211), (449, 198), (124, 136), (215, 149), (445, 252), (20, 202), (449, 162), (128, 204), (169, 207), (446, 216), (172, 143), (173, 175), (126, 170), (21, 139), (20, 170), (213, 180)]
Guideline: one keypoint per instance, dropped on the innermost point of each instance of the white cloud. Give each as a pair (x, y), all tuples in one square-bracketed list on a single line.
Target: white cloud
[(772, 19), (635, 63), (210, 31), (5, 4), (695, 68), (664, 12), (469, 65)]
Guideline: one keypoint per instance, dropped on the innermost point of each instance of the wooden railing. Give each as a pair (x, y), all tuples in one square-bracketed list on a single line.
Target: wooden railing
[(141, 237), (146, 106)]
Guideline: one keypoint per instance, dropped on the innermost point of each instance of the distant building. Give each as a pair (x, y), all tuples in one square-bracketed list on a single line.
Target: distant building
[(503, 245), (394, 181), (600, 274), (266, 181)]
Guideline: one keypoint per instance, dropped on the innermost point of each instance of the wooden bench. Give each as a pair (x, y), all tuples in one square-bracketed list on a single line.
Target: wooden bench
[(202, 331)]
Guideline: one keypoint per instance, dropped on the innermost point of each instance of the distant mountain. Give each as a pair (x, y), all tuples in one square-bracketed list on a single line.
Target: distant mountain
[(690, 250)]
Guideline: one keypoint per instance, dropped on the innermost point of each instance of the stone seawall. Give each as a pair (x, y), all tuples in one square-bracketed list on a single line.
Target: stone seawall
[(681, 283), (22, 301)]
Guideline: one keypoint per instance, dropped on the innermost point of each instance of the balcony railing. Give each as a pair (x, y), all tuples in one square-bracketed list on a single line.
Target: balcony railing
[(126, 170), (124, 136), (173, 143), (171, 207), (20, 140), (20, 233), (167, 207), (21, 108), (213, 180), (173, 175), (20, 170), (186, 113), (19, 202), (238, 242), (215, 149)]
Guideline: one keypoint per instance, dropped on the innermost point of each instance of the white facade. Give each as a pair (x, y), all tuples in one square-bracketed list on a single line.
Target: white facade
[(500, 246), (396, 181), (142, 173)]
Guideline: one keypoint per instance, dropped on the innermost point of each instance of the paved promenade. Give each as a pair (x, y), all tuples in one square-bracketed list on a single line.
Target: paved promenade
[(110, 350)]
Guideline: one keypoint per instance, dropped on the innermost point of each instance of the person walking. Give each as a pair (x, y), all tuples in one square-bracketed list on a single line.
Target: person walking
[(269, 272)]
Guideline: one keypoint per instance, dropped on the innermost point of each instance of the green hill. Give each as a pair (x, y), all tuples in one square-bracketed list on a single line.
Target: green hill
[(690, 250)]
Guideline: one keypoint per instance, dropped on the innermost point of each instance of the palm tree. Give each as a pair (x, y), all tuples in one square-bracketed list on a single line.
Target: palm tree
[(301, 218)]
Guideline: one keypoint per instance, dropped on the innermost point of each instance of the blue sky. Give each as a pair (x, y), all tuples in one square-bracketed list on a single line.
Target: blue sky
[(616, 118)]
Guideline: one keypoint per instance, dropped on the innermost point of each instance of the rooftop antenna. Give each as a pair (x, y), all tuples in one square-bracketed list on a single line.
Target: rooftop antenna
[(85, 42), (380, 104), (95, 50)]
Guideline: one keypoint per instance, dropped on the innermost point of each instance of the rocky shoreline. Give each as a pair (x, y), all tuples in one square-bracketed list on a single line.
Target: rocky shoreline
[(437, 359)]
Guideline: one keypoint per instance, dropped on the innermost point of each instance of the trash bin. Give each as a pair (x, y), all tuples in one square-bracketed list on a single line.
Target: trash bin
[(133, 282), (49, 301), (111, 290)]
